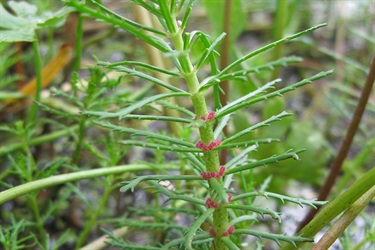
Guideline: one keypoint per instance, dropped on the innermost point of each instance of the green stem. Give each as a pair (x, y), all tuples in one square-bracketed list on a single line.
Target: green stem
[(280, 23), (211, 158), (38, 74), (78, 43), (225, 49), (33, 204), (81, 135), (37, 185), (90, 224), (77, 67)]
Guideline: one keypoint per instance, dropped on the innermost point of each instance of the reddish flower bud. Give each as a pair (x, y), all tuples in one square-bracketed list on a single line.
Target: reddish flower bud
[(212, 232), (211, 115), (229, 231), (211, 204), (229, 198)]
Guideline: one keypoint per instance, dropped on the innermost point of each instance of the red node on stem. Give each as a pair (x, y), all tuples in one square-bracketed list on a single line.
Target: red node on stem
[(229, 198), (211, 115), (211, 204), (209, 175), (212, 232), (229, 231)]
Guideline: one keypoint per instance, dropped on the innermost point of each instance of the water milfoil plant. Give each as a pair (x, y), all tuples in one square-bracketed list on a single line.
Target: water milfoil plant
[(203, 190)]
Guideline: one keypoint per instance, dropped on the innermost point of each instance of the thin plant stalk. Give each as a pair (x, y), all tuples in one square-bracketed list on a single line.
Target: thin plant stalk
[(77, 67), (224, 62), (93, 218), (211, 158), (346, 143), (32, 201), (38, 75), (78, 43), (280, 23)]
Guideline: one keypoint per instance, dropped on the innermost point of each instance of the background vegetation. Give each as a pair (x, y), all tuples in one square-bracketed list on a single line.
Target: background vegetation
[(49, 74)]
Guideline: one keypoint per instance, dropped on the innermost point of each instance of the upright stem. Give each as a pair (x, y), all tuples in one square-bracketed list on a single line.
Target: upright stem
[(280, 23), (33, 204), (224, 62), (38, 74), (78, 43), (211, 158), (77, 67), (94, 216)]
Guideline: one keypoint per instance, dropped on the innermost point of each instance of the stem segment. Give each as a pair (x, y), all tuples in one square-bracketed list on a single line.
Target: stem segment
[(211, 158)]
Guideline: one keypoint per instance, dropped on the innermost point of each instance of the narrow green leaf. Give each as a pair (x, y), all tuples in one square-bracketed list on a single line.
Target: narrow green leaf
[(253, 144), (137, 105), (240, 157), (131, 184), (263, 162), (159, 146), (209, 51), (269, 46), (227, 110), (187, 14), (145, 133), (149, 7), (268, 66), (195, 226), (232, 105), (157, 118), (258, 210), (166, 14), (143, 65), (220, 126), (108, 16), (175, 107), (274, 237), (256, 126), (229, 243), (299, 201), (134, 72), (180, 241)]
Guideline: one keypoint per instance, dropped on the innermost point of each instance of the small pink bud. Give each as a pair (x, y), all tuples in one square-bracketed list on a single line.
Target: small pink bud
[(211, 115), (229, 198), (211, 204), (212, 232), (231, 229), (222, 170)]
